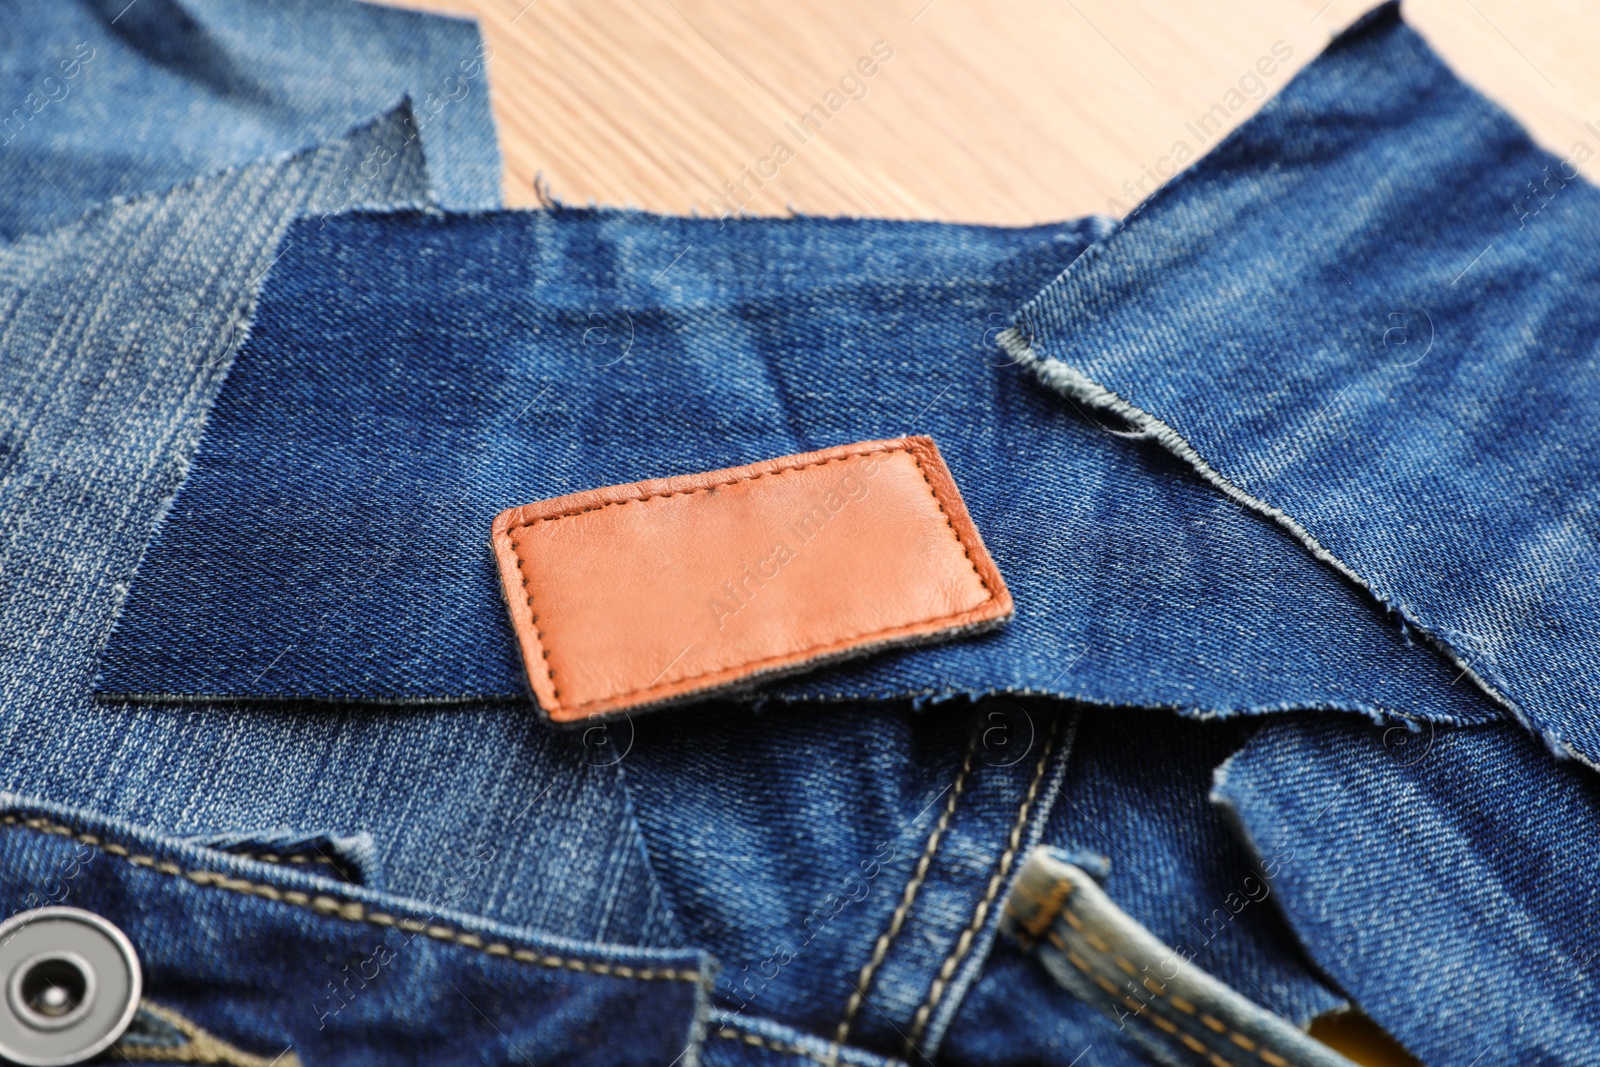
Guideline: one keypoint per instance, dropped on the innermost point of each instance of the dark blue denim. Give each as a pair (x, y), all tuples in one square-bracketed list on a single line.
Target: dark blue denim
[(1446, 879), (1371, 317), (409, 376), (284, 961), (1135, 804), (106, 98)]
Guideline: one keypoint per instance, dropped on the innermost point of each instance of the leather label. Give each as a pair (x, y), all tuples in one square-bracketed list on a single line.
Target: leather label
[(671, 589)]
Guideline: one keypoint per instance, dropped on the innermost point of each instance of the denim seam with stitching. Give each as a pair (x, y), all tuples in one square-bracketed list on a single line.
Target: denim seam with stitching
[(773, 1045), (353, 911), (908, 895), (964, 943), (1059, 906)]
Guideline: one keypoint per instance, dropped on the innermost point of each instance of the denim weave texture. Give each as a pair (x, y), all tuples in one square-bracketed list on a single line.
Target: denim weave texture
[(101, 99), (1287, 473)]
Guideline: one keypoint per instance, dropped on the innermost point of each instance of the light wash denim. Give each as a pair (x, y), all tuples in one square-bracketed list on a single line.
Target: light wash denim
[(107, 98)]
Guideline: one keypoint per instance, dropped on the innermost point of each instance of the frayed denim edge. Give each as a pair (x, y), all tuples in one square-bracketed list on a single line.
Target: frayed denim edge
[(1063, 379)]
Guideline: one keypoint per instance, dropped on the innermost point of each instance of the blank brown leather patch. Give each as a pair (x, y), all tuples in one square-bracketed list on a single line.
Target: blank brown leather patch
[(663, 590)]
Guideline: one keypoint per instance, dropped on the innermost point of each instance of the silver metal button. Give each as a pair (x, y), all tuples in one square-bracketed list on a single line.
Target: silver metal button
[(71, 986)]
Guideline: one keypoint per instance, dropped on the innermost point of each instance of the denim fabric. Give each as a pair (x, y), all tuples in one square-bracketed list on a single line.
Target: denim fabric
[(284, 962), (324, 567), (1154, 991), (1370, 315), (784, 842), (1446, 878), (800, 887), (1135, 802), (106, 98), (118, 330), (410, 376)]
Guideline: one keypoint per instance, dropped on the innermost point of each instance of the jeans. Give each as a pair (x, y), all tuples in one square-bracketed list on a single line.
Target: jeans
[(292, 756)]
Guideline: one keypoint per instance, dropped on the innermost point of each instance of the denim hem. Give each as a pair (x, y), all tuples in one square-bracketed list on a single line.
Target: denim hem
[(776, 1038), (321, 901)]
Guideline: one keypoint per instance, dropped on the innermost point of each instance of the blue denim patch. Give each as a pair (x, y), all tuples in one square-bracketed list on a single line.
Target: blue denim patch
[(106, 98), (409, 376), (1445, 878), (1371, 317)]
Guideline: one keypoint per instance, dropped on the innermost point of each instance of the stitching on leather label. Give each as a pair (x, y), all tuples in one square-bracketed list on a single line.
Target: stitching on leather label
[(539, 634)]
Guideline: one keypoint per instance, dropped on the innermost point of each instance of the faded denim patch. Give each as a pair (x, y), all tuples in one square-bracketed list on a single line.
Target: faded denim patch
[(104, 98), (1351, 319)]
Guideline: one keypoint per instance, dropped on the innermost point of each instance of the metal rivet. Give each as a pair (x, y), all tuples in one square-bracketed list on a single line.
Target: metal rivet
[(71, 985)]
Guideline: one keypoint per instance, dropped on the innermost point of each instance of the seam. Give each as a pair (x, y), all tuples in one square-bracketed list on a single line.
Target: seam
[(774, 1045), (271, 857), (966, 550), (968, 937), (353, 911), (1046, 909), (533, 622), (908, 896), (1157, 1020), (343, 871), (198, 1045), (538, 636)]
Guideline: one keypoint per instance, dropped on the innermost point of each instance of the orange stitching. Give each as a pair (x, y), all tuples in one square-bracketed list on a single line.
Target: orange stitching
[(533, 622), (966, 550), (1049, 906), (538, 637), (352, 910), (1155, 1018), (964, 943), (908, 897)]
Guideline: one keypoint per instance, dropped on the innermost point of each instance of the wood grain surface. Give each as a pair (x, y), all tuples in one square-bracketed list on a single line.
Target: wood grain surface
[(1011, 111)]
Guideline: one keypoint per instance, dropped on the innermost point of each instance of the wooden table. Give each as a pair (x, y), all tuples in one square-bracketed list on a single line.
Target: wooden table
[(1001, 112)]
